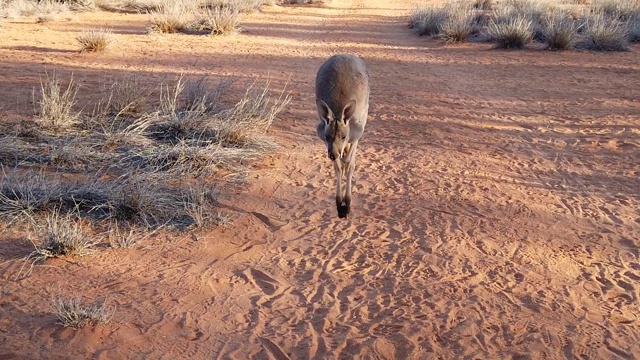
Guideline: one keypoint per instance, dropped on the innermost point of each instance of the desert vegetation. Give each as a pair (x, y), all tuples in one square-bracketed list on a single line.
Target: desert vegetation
[(73, 313), (137, 167), (215, 17), (605, 25)]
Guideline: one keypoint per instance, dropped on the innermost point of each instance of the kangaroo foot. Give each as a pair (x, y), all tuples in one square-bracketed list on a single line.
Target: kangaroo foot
[(343, 211)]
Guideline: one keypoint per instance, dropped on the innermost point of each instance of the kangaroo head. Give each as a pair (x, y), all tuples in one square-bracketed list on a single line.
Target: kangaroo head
[(336, 129)]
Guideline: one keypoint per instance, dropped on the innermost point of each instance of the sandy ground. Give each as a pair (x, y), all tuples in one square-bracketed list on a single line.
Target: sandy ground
[(496, 210)]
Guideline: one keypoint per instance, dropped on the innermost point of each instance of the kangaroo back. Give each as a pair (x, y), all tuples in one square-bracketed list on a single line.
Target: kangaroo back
[(343, 78)]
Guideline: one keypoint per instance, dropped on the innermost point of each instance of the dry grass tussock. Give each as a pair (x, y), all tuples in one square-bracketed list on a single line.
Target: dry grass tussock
[(216, 18), (559, 32), (95, 40), (219, 21), (460, 23), (56, 103), (427, 19), (512, 33), (150, 157), (72, 313), (61, 235), (603, 33), (623, 10), (44, 10), (128, 96), (132, 174), (601, 25)]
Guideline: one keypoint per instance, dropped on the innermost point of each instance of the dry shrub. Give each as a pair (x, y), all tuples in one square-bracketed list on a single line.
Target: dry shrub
[(122, 238), (46, 9), (71, 313), (297, 2), (192, 133), (512, 33), (167, 23), (60, 236), (483, 4), (242, 6), (623, 10), (171, 16), (22, 197), (427, 19), (219, 21), (119, 132), (560, 32), (603, 33), (56, 103), (95, 40), (460, 23), (248, 121), (46, 18), (15, 151), (201, 97), (128, 95), (186, 157), (536, 12)]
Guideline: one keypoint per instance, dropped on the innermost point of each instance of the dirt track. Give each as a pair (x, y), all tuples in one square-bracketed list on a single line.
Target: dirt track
[(495, 211)]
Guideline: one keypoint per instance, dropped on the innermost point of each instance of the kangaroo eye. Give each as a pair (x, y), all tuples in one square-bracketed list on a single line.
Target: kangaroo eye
[(343, 137)]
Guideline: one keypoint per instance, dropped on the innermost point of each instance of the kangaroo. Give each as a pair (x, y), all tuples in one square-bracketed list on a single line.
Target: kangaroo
[(342, 101)]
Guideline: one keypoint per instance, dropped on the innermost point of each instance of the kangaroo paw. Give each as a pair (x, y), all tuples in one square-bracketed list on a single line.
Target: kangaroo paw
[(343, 211)]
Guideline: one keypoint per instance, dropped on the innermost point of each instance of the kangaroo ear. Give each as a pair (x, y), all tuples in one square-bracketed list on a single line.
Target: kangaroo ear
[(349, 109), (323, 110)]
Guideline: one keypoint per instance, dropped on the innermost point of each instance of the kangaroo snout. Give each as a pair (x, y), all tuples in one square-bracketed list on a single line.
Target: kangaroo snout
[(332, 156)]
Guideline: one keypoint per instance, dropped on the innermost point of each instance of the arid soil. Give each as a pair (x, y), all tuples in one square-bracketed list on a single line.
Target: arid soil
[(496, 211)]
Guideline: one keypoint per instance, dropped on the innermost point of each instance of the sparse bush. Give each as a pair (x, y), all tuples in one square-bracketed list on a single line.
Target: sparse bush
[(459, 25), (623, 10), (242, 6), (118, 132), (81, 5), (535, 12), (427, 19), (44, 9), (247, 122), (171, 16), (56, 104), (186, 157), (483, 4), (121, 238), (602, 33), (512, 33), (61, 236), (186, 137), (137, 199), (22, 197), (15, 151), (219, 21), (197, 202), (43, 19), (201, 98), (167, 23), (94, 40), (128, 95), (71, 313), (559, 32)]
